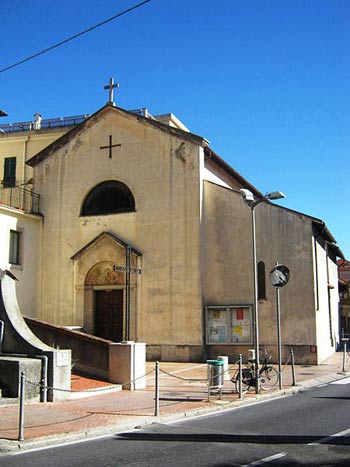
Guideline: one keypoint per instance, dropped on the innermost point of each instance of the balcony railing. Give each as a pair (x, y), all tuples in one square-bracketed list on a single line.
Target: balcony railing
[(19, 197)]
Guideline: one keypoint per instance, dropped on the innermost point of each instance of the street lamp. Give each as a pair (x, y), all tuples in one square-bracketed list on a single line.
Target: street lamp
[(252, 202)]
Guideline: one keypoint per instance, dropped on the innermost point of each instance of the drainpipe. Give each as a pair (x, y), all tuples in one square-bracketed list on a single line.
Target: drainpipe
[(329, 287), (24, 160), (43, 380), (2, 327)]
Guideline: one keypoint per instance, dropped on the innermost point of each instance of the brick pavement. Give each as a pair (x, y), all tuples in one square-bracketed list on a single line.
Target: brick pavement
[(183, 392)]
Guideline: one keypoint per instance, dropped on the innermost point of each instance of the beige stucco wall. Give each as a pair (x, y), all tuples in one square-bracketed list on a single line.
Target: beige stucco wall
[(286, 237), (283, 236), (327, 302), (227, 272), (23, 146), (164, 228), (28, 272)]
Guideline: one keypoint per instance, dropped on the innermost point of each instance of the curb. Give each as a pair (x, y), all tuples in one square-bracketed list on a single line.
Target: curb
[(9, 446)]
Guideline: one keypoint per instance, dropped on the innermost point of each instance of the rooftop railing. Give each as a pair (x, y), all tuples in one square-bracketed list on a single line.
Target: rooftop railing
[(19, 197), (44, 124), (59, 122)]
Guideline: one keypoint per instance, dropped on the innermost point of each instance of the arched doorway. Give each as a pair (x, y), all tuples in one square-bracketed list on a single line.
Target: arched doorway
[(108, 290), (105, 294)]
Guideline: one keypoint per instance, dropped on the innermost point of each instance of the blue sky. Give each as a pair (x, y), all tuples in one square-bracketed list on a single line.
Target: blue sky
[(265, 81)]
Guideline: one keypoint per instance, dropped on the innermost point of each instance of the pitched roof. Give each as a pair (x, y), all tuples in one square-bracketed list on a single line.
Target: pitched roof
[(210, 154), (343, 264), (186, 135), (196, 139), (64, 139)]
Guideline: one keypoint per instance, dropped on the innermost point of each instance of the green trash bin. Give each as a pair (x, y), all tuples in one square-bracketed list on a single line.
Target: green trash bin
[(215, 373)]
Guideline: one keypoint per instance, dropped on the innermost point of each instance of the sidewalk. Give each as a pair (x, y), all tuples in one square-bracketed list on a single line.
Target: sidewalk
[(183, 393)]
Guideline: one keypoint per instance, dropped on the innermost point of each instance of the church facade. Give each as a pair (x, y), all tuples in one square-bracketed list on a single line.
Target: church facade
[(142, 234)]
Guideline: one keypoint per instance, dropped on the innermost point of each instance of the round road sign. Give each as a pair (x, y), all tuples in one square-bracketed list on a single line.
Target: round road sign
[(279, 276)]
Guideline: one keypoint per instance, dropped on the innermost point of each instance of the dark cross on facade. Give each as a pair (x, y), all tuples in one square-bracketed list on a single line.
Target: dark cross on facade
[(110, 146), (128, 270), (111, 86)]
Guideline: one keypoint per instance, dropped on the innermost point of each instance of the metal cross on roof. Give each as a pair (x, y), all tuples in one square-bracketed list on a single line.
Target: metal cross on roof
[(111, 86)]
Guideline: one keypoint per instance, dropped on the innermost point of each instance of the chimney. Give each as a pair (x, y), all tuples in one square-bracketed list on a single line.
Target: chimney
[(37, 121)]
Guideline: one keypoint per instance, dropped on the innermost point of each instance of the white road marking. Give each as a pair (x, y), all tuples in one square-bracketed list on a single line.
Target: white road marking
[(266, 459), (329, 438), (341, 381)]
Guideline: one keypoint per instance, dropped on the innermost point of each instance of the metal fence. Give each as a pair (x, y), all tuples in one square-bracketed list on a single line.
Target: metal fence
[(169, 386), (20, 198), (47, 123)]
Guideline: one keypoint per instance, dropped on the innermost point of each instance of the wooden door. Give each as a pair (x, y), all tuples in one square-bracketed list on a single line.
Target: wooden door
[(109, 314)]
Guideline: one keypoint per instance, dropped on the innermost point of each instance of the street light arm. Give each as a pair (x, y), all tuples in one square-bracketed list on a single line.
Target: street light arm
[(275, 195), (252, 201)]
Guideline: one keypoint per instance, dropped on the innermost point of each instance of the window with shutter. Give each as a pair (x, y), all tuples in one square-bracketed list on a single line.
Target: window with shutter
[(9, 178)]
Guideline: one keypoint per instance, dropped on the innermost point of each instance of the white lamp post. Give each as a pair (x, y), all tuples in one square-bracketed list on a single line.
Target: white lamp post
[(252, 202)]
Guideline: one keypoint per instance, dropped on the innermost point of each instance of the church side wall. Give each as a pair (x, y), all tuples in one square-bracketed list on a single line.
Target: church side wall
[(162, 173), (327, 302), (227, 272), (334, 301), (283, 237)]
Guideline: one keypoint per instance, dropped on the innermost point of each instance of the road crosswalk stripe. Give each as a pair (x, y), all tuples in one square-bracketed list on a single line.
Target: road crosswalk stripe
[(341, 381), (329, 438), (266, 459)]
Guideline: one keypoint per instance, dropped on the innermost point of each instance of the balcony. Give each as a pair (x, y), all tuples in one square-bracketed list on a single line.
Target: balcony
[(19, 197)]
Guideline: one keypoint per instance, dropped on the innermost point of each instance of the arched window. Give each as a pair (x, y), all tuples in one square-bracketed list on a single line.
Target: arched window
[(108, 198), (261, 280)]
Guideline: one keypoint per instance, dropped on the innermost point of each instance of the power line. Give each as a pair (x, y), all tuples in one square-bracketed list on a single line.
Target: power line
[(75, 36)]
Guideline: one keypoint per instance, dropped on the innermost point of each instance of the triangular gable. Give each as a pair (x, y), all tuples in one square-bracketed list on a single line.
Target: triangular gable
[(184, 135), (108, 108), (99, 238)]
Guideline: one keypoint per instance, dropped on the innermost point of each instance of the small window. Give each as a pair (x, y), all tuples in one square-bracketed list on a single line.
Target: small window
[(15, 247), (261, 281), (108, 198), (9, 178)]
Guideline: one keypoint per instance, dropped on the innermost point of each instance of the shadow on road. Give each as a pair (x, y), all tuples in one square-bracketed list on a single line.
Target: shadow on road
[(232, 438)]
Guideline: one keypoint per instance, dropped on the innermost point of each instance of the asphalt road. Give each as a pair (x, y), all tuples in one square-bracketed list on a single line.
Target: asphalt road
[(311, 428)]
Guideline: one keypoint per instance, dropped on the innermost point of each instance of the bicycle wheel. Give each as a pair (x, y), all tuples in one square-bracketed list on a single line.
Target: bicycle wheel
[(268, 378), (247, 379)]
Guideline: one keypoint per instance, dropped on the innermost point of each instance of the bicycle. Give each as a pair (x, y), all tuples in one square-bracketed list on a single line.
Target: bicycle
[(268, 375)]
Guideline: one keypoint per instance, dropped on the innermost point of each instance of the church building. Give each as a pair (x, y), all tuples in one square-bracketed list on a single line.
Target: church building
[(130, 227)]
